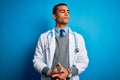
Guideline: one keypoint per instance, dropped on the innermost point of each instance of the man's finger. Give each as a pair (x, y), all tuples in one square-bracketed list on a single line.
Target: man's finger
[(58, 72), (55, 75), (57, 79)]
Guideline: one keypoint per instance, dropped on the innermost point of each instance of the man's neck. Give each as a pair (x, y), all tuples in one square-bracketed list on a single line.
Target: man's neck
[(61, 26)]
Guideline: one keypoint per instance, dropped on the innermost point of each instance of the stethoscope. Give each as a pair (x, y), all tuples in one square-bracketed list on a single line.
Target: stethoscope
[(76, 44), (75, 40)]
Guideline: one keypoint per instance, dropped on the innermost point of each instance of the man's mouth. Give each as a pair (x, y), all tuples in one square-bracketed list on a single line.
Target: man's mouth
[(66, 17)]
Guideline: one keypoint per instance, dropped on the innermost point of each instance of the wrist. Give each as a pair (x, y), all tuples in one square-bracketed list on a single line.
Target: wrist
[(69, 72), (45, 70), (49, 72)]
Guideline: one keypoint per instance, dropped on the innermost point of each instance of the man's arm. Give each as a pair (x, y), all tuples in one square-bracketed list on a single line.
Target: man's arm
[(39, 60), (81, 59)]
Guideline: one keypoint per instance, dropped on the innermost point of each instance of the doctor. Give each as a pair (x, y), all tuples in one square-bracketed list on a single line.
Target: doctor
[(60, 53)]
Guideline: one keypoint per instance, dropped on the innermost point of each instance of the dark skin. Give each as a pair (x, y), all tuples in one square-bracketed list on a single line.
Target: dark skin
[(61, 17)]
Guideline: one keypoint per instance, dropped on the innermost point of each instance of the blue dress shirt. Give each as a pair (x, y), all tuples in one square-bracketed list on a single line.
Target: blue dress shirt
[(57, 30)]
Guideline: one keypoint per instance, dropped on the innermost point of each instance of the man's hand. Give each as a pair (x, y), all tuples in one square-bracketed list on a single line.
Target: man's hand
[(53, 71), (62, 74)]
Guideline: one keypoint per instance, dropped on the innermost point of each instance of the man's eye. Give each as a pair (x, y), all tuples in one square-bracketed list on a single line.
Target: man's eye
[(62, 11)]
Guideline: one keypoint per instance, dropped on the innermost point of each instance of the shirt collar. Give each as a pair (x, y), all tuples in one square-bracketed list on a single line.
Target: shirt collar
[(57, 30)]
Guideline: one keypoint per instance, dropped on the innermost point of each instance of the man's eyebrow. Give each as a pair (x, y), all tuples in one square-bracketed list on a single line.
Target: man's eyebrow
[(64, 10)]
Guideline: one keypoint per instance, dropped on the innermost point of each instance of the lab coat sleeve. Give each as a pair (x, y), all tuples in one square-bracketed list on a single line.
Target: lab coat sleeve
[(81, 58), (39, 56)]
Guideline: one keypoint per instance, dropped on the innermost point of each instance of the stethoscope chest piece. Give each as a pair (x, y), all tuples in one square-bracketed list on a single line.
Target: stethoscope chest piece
[(76, 50)]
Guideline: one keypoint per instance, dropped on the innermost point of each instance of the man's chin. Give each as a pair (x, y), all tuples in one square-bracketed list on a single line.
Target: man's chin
[(65, 22)]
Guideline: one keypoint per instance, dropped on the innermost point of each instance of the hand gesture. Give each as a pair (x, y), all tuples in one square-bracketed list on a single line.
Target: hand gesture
[(62, 74)]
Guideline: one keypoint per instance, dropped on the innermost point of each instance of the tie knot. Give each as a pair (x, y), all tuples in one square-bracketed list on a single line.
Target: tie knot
[(62, 30), (61, 33)]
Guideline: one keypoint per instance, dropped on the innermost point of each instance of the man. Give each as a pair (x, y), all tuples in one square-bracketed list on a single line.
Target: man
[(60, 53)]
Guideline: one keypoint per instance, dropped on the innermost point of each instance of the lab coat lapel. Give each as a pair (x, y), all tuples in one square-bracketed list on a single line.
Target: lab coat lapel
[(52, 47), (71, 47)]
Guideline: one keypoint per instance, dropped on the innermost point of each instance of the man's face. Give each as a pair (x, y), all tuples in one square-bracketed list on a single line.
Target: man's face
[(62, 15)]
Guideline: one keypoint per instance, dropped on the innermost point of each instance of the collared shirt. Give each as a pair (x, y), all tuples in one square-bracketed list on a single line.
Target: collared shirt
[(57, 30)]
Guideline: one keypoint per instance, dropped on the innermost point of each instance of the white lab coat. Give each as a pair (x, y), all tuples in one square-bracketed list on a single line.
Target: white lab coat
[(45, 50)]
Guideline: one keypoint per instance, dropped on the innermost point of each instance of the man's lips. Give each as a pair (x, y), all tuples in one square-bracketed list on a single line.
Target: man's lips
[(66, 17)]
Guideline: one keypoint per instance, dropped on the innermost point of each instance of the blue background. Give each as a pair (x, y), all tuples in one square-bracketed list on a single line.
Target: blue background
[(22, 21)]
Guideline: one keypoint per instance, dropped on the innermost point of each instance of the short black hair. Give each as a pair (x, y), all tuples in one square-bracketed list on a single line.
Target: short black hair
[(55, 7)]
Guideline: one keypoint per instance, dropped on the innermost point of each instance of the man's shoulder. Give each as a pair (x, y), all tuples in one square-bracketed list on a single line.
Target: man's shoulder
[(45, 34), (78, 34), (79, 37)]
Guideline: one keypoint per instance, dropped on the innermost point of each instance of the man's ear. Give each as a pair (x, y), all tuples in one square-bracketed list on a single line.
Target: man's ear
[(54, 16)]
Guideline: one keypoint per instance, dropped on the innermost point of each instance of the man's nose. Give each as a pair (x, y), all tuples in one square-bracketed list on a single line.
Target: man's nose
[(66, 14)]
